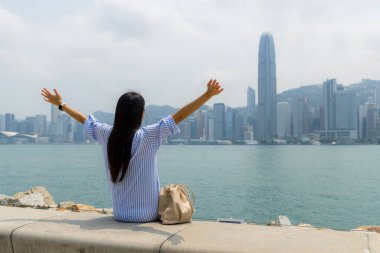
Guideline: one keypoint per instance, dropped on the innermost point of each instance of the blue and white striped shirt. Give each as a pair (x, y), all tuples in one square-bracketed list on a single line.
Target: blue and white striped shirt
[(135, 198)]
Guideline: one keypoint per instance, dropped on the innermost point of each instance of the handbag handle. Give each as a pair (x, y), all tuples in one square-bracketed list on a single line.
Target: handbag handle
[(187, 189)]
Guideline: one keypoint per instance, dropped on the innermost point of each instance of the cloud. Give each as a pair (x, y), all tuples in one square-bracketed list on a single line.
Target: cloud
[(169, 49)]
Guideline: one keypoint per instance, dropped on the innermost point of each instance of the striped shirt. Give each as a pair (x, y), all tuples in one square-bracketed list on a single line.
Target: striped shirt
[(135, 198)]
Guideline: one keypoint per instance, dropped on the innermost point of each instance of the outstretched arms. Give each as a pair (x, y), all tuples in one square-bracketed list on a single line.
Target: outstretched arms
[(213, 88), (56, 99)]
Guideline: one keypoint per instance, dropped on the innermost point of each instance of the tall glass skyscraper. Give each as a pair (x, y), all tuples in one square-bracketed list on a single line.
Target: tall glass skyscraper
[(329, 90), (251, 103), (267, 106)]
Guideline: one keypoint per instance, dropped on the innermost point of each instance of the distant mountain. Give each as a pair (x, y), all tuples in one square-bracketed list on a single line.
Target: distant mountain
[(104, 117), (154, 113), (314, 92)]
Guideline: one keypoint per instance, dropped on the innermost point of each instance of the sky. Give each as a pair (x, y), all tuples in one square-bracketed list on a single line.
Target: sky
[(94, 51)]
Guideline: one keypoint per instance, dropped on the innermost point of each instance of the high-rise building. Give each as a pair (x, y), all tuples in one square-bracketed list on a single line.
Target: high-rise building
[(372, 121), (329, 90), (210, 129), (9, 122), (239, 127), (55, 126), (29, 125), (300, 118), (219, 121), (251, 102), (267, 106), (345, 110), (362, 122), (2, 123), (201, 121), (283, 119), (40, 125), (230, 123)]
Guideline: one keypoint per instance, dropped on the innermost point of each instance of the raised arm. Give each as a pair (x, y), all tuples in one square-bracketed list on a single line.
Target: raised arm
[(56, 100), (213, 88)]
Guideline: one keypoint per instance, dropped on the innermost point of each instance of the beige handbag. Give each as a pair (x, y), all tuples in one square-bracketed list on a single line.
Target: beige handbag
[(176, 204)]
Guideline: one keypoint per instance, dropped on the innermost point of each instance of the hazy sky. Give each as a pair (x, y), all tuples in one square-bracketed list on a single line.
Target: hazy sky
[(93, 51)]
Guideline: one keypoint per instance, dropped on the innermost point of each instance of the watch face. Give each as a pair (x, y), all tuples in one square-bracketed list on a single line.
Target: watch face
[(60, 107)]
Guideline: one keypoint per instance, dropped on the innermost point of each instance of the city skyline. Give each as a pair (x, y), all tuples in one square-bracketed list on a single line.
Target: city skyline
[(337, 118), (93, 51)]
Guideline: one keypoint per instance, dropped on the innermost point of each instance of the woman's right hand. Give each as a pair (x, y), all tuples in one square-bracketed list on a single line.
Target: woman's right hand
[(54, 99), (213, 88)]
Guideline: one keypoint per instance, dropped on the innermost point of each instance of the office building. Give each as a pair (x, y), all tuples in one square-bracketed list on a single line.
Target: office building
[(300, 118), (40, 125), (2, 122), (251, 103), (345, 110), (283, 119), (329, 90), (219, 121), (10, 124), (267, 104)]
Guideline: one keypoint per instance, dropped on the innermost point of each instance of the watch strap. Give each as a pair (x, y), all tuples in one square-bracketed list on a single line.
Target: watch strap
[(60, 107)]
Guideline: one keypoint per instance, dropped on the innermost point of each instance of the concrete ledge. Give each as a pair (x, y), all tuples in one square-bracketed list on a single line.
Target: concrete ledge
[(30, 230), (12, 218)]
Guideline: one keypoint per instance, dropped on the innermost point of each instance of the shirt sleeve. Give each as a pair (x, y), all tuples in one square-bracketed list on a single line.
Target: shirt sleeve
[(96, 130), (159, 131)]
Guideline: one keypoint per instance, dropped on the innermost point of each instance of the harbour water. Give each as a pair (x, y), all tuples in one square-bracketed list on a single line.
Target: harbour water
[(326, 186)]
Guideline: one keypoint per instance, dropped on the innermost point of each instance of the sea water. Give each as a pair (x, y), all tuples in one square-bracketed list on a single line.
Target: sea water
[(326, 186)]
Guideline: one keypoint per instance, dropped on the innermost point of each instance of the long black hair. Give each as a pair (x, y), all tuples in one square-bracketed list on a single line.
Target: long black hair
[(128, 117)]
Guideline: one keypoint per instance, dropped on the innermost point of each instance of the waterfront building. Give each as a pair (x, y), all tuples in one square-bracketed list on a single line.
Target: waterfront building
[(201, 125), (372, 122), (362, 122), (211, 129), (316, 119), (55, 130), (251, 103), (10, 124), (267, 104), (339, 136), (66, 128), (219, 121), (300, 118), (248, 133), (230, 124), (28, 125), (185, 130), (40, 125), (79, 136), (283, 119), (329, 90), (2, 122), (345, 109), (239, 126)]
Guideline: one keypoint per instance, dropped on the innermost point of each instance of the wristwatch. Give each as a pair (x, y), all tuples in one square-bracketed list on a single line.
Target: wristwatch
[(60, 107)]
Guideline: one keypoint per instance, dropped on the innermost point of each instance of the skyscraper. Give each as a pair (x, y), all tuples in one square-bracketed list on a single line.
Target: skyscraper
[(300, 117), (345, 110), (10, 122), (251, 101), (329, 89), (283, 119), (219, 121), (267, 106)]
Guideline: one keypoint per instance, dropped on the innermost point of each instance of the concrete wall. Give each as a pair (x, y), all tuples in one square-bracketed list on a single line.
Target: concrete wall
[(30, 230)]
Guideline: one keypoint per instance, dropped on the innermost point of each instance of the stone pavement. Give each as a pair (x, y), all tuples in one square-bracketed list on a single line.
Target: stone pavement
[(33, 230)]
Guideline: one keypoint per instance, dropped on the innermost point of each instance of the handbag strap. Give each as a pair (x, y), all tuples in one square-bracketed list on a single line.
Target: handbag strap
[(189, 194)]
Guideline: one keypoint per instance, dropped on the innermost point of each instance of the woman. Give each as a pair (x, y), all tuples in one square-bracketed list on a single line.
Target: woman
[(130, 151)]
